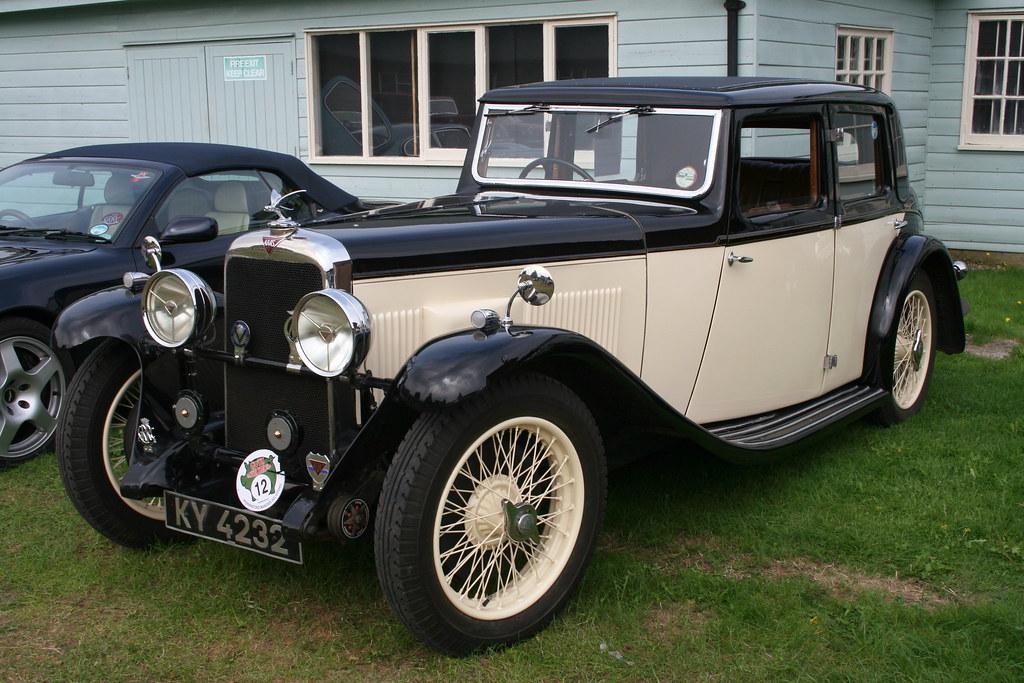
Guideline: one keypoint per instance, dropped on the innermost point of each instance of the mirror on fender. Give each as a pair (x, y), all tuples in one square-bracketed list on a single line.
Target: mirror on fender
[(189, 229)]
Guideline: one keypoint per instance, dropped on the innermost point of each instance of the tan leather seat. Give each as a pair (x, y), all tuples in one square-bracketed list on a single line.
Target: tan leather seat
[(118, 197), (230, 208)]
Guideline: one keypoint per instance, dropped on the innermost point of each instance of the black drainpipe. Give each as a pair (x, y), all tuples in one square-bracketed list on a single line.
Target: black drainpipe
[(732, 36)]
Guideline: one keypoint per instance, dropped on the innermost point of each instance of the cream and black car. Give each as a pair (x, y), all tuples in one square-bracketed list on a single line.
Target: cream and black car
[(725, 265)]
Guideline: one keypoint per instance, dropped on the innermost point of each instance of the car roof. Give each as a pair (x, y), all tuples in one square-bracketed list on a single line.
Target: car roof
[(199, 158), (693, 91)]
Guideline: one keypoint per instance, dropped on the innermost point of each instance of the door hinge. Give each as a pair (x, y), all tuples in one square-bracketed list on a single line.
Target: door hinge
[(831, 361), (835, 135), (837, 222)]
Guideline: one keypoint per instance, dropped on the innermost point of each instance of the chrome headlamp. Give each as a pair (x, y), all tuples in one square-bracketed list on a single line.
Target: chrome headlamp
[(331, 331), (177, 307)]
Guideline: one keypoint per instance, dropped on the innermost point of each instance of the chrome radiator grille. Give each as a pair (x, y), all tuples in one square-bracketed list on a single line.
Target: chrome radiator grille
[(261, 292)]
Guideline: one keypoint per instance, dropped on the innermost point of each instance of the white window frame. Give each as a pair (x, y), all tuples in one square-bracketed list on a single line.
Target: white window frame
[(1000, 142), (429, 156), (856, 75)]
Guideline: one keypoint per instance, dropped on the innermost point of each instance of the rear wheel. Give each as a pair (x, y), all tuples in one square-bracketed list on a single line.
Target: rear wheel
[(93, 444), (31, 389), (910, 355), (489, 514)]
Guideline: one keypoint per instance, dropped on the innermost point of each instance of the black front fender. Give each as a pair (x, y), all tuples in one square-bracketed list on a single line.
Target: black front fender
[(632, 416), (110, 313)]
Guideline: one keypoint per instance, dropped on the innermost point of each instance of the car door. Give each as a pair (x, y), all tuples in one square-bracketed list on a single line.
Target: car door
[(769, 332), (871, 215)]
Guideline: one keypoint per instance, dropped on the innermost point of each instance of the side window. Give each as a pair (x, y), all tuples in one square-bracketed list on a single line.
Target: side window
[(860, 154), (235, 199), (779, 166)]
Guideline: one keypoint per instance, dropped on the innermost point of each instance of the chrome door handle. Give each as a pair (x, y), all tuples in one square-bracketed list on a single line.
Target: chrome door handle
[(733, 258), (899, 224)]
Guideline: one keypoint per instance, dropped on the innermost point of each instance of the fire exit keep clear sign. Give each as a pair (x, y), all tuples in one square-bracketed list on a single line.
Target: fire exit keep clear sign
[(246, 68)]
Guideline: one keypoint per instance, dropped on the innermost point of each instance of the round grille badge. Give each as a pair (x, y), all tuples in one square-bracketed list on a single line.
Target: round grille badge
[(260, 481)]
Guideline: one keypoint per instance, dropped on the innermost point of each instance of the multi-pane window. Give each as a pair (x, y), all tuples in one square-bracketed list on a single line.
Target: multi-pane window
[(411, 93), (993, 112), (864, 57)]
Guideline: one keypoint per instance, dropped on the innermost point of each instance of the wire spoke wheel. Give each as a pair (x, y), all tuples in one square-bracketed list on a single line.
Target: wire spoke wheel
[(31, 392), (912, 357), (508, 518), (489, 513), (116, 447)]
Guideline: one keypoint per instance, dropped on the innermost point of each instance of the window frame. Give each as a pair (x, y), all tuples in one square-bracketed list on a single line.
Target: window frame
[(645, 190), (430, 156), (859, 209), (861, 32), (969, 140)]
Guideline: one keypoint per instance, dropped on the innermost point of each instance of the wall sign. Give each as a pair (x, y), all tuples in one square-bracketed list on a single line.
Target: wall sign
[(247, 68)]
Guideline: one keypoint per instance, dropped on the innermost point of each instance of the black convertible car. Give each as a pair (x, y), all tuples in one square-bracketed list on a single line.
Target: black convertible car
[(71, 222)]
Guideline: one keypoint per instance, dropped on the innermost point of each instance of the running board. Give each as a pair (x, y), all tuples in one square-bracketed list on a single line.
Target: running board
[(782, 427)]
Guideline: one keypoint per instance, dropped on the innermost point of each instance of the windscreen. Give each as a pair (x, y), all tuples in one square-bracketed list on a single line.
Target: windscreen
[(93, 199), (642, 150)]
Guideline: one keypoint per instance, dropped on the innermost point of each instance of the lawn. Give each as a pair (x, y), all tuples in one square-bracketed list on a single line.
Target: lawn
[(873, 554)]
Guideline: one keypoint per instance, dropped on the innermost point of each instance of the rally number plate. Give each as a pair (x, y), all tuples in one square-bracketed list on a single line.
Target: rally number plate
[(235, 527)]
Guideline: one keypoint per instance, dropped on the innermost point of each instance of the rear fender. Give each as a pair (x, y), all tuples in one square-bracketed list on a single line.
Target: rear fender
[(909, 255)]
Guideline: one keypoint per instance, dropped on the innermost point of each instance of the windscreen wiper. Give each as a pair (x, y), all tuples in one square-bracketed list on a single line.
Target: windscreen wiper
[(532, 109), (51, 234), (72, 236), (635, 111)]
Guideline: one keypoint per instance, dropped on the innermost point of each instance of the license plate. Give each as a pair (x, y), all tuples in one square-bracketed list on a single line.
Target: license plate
[(235, 527)]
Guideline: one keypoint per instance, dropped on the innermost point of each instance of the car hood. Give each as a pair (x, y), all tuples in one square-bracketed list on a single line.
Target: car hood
[(493, 229), (15, 251)]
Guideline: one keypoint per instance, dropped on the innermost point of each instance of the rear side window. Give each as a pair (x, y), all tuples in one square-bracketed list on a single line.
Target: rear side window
[(780, 166), (860, 153)]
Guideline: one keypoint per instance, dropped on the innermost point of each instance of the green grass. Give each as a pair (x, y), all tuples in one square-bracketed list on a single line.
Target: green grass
[(872, 554)]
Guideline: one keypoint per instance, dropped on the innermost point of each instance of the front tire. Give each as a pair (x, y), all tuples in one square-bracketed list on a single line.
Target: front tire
[(909, 355), (489, 514), (92, 447)]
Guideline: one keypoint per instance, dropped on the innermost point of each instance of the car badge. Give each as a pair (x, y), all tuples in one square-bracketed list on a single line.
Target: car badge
[(260, 481), (240, 336), (270, 243), (318, 466), (145, 435)]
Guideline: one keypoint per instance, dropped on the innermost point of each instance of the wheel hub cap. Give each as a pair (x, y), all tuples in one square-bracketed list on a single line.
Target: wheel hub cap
[(485, 518), (521, 522), (917, 351)]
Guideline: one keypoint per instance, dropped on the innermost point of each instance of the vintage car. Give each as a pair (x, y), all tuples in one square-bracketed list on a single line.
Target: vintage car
[(70, 225), (739, 265)]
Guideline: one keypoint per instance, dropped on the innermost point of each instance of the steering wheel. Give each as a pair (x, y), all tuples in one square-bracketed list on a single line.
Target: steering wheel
[(17, 215), (543, 161)]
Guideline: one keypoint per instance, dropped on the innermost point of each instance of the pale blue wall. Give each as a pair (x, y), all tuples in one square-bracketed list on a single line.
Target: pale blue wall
[(63, 77), (975, 198), (798, 38)]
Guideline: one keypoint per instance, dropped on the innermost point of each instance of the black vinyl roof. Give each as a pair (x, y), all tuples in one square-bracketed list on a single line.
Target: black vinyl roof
[(693, 91), (197, 158)]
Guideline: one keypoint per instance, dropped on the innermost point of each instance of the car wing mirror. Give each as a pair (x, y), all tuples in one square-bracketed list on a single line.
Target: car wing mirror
[(190, 229)]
